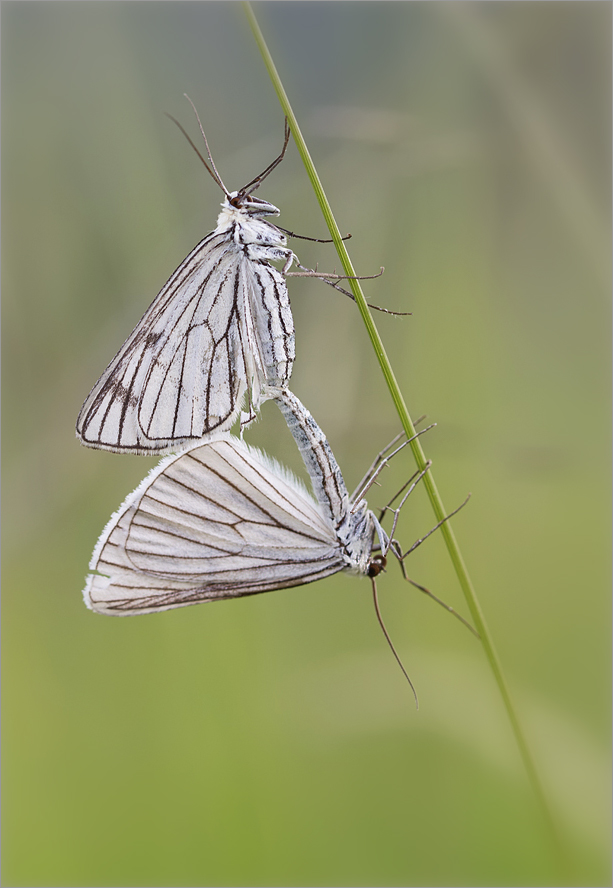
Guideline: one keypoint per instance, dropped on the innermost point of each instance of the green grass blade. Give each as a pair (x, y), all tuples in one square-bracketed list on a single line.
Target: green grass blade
[(418, 453)]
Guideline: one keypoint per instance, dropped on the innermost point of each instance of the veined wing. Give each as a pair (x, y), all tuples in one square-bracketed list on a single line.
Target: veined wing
[(220, 520), (266, 291), (185, 369)]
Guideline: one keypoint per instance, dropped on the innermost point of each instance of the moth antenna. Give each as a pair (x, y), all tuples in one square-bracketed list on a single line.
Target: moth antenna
[(216, 175), (189, 139), (255, 183), (389, 640)]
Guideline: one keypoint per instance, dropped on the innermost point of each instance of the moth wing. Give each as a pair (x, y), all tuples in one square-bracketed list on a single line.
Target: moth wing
[(183, 371), (266, 293), (217, 521)]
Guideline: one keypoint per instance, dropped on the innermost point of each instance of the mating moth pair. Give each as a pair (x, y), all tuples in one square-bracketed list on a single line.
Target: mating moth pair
[(216, 518)]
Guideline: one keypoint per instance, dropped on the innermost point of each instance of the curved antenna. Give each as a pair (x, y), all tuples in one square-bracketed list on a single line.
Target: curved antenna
[(188, 137), (255, 183), (217, 177), (212, 172), (389, 640)]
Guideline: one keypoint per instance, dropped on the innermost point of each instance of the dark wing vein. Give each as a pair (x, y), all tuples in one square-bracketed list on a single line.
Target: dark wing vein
[(219, 524), (136, 403)]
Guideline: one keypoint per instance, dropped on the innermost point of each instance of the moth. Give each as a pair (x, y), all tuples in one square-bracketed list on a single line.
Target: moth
[(219, 330), (223, 520)]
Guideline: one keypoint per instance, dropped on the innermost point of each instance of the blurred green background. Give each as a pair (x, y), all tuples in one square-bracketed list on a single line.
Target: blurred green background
[(273, 741)]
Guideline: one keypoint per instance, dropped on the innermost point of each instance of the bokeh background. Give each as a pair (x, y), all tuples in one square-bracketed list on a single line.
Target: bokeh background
[(273, 741)]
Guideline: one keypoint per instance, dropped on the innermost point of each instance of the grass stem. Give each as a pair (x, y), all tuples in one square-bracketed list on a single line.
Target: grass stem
[(418, 453)]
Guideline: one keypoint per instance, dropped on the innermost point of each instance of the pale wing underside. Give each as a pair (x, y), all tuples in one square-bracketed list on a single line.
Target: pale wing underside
[(218, 521), (184, 371)]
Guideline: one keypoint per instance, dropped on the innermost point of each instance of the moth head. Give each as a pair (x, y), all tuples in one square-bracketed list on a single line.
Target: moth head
[(253, 206)]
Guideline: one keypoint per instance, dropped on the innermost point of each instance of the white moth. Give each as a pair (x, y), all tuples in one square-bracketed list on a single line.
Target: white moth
[(223, 520), (219, 330)]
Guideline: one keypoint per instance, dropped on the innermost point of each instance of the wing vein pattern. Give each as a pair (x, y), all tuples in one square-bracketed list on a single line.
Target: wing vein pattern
[(223, 520), (219, 333)]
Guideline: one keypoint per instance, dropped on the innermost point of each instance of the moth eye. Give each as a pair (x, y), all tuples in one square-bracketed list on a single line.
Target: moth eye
[(377, 564)]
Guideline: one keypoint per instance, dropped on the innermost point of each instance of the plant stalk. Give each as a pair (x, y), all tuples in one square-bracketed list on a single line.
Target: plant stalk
[(415, 445)]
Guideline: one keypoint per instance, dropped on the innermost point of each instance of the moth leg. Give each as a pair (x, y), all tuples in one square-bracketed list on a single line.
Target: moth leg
[(431, 595), (259, 252)]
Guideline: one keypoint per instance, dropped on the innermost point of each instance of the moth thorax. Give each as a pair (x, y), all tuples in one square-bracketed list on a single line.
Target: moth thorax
[(229, 216)]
